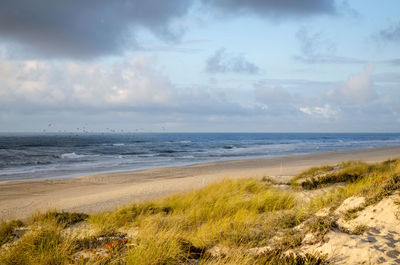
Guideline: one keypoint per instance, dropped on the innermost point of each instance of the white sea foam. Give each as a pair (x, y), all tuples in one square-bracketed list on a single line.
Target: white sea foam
[(187, 157), (72, 155)]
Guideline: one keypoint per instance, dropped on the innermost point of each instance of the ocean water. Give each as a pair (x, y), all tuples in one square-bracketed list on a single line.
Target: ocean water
[(38, 156)]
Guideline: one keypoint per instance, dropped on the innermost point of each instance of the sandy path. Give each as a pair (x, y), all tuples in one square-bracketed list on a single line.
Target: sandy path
[(93, 193)]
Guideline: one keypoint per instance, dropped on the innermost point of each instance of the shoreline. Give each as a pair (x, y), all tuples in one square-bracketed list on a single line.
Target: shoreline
[(106, 191)]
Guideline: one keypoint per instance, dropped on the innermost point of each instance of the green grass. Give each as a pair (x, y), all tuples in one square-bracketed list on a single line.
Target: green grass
[(234, 214)]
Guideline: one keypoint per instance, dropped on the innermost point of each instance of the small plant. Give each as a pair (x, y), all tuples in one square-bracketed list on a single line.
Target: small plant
[(292, 258), (352, 213), (311, 173), (359, 230), (64, 219), (7, 229), (43, 246), (321, 225), (387, 188)]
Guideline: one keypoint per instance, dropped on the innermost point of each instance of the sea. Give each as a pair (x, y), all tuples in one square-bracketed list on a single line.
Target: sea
[(27, 156)]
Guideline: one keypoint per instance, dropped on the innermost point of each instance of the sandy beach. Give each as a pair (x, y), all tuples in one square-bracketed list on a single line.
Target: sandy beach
[(94, 193)]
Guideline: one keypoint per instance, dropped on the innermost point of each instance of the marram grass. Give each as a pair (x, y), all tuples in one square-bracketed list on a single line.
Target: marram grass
[(232, 216)]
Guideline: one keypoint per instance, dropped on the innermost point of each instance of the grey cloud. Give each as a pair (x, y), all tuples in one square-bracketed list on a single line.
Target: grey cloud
[(329, 60), (273, 8), (311, 44), (394, 62), (315, 49), (223, 62), (387, 77), (272, 95), (277, 100), (84, 29), (92, 28), (296, 84), (391, 33)]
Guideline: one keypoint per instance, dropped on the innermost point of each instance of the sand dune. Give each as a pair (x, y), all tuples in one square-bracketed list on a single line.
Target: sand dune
[(94, 193)]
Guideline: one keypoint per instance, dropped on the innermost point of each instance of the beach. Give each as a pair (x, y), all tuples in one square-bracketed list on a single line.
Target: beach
[(100, 192)]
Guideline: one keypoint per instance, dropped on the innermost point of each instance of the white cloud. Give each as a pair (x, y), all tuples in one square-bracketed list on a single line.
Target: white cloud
[(132, 83), (134, 93), (325, 111), (358, 88)]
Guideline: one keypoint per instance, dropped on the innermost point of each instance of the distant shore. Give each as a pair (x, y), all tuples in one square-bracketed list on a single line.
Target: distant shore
[(100, 192)]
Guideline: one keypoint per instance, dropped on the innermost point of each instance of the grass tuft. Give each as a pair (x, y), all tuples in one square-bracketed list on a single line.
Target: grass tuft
[(43, 246), (63, 219), (7, 229)]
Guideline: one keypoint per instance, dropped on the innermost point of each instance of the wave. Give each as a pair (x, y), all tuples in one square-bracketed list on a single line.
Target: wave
[(72, 155), (187, 157), (23, 164), (132, 153), (169, 151), (62, 154)]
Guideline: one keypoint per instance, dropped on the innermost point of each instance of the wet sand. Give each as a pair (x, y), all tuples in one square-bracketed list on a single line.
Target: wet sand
[(100, 192)]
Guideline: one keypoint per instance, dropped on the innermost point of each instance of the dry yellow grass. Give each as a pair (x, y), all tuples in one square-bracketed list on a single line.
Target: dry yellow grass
[(235, 215)]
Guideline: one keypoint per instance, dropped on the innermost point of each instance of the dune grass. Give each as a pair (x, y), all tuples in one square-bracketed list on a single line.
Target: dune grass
[(7, 228), (372, 181), (228, 218), (232, 213), (63, 219), (43, 246)]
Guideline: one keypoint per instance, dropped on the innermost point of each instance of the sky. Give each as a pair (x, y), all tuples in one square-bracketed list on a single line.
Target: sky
[(199, 66)]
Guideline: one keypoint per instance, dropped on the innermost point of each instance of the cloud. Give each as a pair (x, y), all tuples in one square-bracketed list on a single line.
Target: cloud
[(38, 84), (95, 28), (357, 89), (394, 62), (272, 8), (299, 84), (133, 94), (272, 96), (390, 34), (354, 98), (315, 48), (312, 44), (280, 102), (325, 111), (326, 59), (132, 85), (387, 77), (351, 105), (223, 62), (86, 29)]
